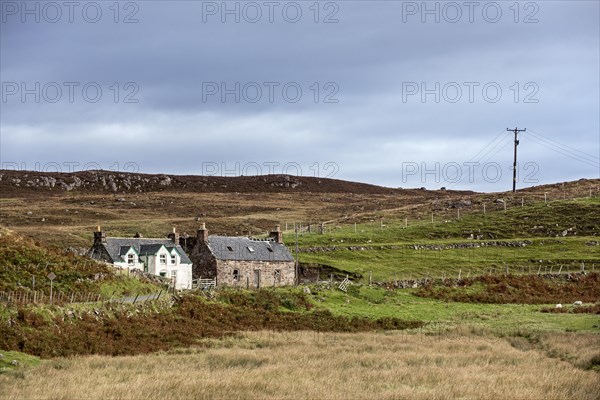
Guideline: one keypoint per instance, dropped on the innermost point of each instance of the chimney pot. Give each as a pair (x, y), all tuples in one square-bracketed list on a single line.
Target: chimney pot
[(202, 233), (99, 236), (277, 235)]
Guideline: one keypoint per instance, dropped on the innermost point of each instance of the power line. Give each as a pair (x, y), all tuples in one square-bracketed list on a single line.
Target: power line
[(565, 147), (541, 143), (479, 157)]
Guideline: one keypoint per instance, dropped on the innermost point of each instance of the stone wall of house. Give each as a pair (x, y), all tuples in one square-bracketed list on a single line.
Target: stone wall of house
[(246, 277), (205, 263), (207, 266), (98, 252)]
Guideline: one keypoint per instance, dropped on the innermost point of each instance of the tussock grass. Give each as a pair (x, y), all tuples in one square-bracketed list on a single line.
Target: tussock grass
[(313, 365)]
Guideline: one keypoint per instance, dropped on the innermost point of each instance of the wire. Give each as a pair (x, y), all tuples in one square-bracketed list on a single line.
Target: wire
[(564, 146), (478, 159), (591, 163)]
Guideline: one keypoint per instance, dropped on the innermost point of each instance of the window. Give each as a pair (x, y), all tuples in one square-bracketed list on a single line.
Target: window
[(131, 259), (163, 258), (236, 275), (277, 276), (173, 275), (173, 259)]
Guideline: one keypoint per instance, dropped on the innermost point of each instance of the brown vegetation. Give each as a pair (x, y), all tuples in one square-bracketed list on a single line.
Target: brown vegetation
[(519, 289), (321, 365), (127, 331)]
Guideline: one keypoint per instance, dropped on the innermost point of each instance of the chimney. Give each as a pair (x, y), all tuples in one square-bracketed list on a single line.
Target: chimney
[(174, 236), (277, 235), (202, 233), (99, 237)]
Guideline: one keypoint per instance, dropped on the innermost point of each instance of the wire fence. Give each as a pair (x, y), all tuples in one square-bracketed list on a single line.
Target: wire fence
[(445, 210), (63, 298)]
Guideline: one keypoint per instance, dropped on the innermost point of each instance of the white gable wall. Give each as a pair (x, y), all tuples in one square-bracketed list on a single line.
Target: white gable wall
[(124, 262), (162, 264)]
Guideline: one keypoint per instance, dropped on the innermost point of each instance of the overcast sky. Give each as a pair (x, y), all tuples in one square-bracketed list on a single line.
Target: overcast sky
[(394, 93)]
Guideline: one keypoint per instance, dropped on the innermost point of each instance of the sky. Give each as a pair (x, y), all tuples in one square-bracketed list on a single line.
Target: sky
[(394, 93)]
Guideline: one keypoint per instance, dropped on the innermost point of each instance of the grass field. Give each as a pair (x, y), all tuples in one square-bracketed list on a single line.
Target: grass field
[(458, 341), (497, 319), (329, 366), (536, 238)]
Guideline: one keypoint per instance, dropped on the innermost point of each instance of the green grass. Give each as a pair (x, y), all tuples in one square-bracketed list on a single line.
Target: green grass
[(373, 302), (25, 263), (23, 360), (543, 224), (550, 219), (407, 263), (127, 286)]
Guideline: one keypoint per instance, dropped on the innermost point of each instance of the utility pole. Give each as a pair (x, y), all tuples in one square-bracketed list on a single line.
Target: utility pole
[(296, 263), (516, 131)]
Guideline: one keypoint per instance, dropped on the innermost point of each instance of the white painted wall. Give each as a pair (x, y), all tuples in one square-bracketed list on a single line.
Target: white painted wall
[(183, 277), (138, 264)]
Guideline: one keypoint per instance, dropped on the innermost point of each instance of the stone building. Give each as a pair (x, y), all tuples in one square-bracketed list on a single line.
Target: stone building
[(240, 261), (157, 256)]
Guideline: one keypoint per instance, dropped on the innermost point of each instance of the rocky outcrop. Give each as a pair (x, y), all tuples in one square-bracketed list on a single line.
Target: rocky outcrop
[(14, 181)]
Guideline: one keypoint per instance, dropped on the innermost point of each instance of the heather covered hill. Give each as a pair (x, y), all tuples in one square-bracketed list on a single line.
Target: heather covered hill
[(19, 182)]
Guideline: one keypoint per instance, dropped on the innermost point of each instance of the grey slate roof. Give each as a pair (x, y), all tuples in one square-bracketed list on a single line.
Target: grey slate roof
[(238, 248), (116, 247)]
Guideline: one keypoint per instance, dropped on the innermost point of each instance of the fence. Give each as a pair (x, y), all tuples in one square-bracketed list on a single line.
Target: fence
[(456, 209), (60, 298), (204, 284)]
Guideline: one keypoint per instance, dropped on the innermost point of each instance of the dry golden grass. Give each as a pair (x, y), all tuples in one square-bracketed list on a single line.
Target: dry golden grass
[(312, 365), (567, 346)]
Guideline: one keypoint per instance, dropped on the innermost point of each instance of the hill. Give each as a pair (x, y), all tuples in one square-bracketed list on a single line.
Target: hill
[(30, 182), (62, 210), (25, 264)]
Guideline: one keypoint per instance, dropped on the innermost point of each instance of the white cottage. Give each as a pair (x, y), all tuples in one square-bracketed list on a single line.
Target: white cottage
[(156, 256)]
